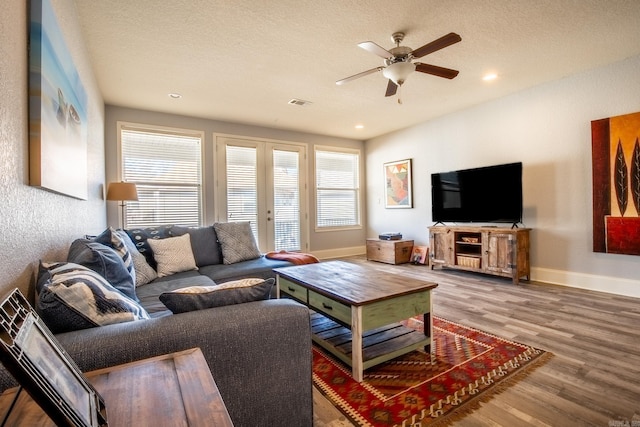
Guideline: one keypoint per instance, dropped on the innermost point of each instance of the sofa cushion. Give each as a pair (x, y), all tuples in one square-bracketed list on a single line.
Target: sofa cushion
[(111, 238), (260, 267), (237, 241), (70, 296), (104, 261), (202, 297), (173, 255), (144, 272), (204, 242), (141, 236), (150, 295)]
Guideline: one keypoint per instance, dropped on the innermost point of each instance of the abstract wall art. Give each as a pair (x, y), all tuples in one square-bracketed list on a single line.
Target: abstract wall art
[(57, 109), (615, 144), (397, 180)]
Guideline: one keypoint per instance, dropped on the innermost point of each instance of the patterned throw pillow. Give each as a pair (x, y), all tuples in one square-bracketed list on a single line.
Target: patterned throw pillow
[(204, 242), (173, 255), (201, 297), (237, 241), (111, 238), (71, 297), (141, 236), (144, 272)]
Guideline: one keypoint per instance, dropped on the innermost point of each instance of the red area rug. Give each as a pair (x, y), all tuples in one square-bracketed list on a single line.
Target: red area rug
[(413, 390)]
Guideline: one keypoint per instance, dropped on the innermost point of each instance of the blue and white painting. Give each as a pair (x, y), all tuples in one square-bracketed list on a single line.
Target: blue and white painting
[(57, 109)]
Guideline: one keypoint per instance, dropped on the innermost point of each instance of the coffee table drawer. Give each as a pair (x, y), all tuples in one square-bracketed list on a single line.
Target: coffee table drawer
[(328, 306), (293, 289)]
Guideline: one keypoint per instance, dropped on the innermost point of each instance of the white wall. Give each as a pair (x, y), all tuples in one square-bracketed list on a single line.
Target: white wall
[(38, 224), (548, 129), (323, 244)]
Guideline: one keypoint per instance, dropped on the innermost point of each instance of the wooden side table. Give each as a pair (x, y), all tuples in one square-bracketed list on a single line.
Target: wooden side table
[(176, 389), (389, 251)]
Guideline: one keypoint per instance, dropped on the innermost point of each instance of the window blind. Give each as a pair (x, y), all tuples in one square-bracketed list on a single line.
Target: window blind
[(286, 189), (337, 189), (166, 168), (242, 186)]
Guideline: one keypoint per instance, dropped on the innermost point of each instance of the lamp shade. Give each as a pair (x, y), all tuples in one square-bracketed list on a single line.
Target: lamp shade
[(122, 191), (399, 71)]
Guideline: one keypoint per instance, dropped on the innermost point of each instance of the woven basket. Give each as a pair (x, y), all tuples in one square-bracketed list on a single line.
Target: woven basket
[(467, 261)]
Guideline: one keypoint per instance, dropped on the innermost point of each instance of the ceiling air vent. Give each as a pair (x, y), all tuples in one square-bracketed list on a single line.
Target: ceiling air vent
[(300, 102)]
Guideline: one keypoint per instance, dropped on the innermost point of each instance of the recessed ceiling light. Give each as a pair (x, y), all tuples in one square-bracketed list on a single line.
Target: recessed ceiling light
[(299, 102), (359, 126), (489, 77), (175, 95)]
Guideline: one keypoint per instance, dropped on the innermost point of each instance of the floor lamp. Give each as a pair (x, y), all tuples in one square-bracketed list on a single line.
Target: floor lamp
[(123, 192)]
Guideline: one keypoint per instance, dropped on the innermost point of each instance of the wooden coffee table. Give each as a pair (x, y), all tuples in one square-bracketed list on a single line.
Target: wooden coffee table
[(360, 309)]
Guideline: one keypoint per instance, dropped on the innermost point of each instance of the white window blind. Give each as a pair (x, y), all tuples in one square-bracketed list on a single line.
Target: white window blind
[(242, 186), (166, 168), (286, 189), (337, 189)]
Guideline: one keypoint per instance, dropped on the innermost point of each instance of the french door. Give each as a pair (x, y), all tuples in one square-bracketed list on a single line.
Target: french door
[(263, 182)]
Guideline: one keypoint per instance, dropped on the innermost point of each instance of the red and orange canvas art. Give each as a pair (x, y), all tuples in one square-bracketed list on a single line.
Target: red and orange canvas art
[(615, 144)]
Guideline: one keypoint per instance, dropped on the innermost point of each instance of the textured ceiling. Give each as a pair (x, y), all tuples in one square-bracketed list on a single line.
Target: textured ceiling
[(243, 60)]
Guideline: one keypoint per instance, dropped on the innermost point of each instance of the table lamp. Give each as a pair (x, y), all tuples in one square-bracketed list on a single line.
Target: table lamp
[(122, 191)]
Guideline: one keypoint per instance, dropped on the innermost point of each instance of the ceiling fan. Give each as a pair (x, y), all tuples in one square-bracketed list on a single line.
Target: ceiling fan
[(398, 63)]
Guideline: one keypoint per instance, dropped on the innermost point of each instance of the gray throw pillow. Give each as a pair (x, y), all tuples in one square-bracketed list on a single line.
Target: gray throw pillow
[(71, 297), (201, 297), (106, 262), (237, 241)]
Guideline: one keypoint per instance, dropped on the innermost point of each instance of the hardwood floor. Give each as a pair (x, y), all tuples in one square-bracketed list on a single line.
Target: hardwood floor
[(593, 379)]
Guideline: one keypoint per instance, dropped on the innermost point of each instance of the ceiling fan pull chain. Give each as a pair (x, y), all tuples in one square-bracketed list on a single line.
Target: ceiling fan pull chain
[(400, 94)]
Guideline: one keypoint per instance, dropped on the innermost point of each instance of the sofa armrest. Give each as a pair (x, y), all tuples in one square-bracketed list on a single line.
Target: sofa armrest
[(259, 354)]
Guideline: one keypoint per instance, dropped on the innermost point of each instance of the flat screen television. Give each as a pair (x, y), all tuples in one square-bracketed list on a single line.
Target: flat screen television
[(486, 194)]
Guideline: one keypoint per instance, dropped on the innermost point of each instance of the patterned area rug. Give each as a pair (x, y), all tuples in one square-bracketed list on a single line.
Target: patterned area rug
[(414, 390)]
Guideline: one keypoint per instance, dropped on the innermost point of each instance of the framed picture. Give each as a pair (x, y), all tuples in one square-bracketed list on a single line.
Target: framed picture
[(37, 361), (57, 109), (397, 182)]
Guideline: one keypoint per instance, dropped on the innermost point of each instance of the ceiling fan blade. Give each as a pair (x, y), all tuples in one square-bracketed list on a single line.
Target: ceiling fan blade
[(447, 73), (441, 43), (357, 76), (392, 88), (375, 49)]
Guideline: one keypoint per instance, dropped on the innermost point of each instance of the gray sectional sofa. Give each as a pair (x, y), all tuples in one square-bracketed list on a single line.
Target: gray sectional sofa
[(259, 352)]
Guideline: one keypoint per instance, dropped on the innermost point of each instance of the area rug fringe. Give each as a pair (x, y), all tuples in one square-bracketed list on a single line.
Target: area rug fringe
[(458, 413), (452, 407)]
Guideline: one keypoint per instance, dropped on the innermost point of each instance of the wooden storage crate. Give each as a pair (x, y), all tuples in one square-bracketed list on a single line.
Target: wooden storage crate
[(389, 251)]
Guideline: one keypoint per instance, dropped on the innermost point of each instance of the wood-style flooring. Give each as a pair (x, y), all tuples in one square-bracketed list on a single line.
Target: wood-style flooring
[(593, 379)]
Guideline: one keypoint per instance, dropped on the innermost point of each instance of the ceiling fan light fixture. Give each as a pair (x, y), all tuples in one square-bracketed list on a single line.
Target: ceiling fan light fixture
[(399, 71)]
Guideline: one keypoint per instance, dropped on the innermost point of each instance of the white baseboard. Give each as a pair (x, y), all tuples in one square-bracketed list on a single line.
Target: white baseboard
[(340, 252), (612, 285)]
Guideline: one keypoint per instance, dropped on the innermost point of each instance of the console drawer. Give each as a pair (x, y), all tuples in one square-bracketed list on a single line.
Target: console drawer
[(293, 290), (330, 307)]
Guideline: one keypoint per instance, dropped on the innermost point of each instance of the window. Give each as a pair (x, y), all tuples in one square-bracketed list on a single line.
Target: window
[(263, 182), (337, 188), (166, 166)]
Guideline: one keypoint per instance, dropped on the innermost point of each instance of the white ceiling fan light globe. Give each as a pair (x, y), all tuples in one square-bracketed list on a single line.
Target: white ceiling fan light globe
[(399, 71)]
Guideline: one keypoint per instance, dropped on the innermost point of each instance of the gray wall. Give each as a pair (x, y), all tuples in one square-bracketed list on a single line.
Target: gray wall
[(548, 128), (38, 224), (323, 244)]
